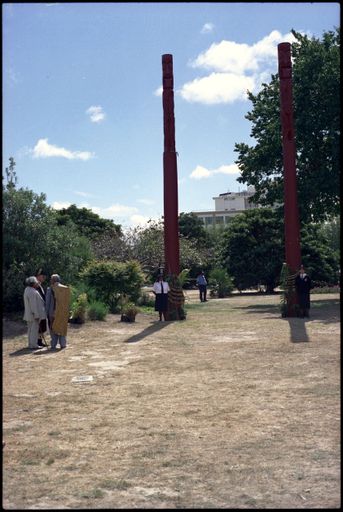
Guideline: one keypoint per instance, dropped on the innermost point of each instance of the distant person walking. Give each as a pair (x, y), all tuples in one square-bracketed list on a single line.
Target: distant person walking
[(202, 285), (34, 310), (160, 290), (57, 308), (303, 286)]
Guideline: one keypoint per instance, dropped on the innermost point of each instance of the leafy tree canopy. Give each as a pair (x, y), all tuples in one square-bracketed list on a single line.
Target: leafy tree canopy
[(146, 245), (32, 238), (252, 250), (190, 226), (316, 95), (89, 223)]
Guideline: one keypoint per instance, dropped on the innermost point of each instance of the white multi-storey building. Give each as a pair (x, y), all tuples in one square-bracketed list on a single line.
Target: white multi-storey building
[(227, 205)]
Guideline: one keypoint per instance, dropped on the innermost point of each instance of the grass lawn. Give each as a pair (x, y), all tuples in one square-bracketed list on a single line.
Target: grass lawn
[(234, 407)]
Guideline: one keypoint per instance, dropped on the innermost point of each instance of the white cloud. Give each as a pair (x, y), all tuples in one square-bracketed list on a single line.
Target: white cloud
[(119, 210), (202, 173), (96, 113), (159, 91), (127, 216), (207, 28), (139, 220), (45, 150), (218, 88), (239, 58), (147, 202), (58, 206), (236, 68)]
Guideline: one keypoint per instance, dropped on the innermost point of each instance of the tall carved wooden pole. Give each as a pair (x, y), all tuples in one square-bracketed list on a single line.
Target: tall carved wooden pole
[(291, 212), (171, 225)]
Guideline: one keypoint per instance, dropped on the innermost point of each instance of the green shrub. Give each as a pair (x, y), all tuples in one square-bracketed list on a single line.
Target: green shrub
[(129, 312), (220, 282), (78, 309), (111, 279), (97, 310)]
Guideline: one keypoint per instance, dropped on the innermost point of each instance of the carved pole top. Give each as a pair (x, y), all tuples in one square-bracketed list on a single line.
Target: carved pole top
[(167, 67), (285, 63)]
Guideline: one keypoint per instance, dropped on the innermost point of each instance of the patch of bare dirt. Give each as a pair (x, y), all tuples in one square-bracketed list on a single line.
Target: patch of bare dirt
[(234, 407)]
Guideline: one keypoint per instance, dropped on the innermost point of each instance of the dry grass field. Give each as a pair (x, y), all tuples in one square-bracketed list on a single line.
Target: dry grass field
[(235, 407)]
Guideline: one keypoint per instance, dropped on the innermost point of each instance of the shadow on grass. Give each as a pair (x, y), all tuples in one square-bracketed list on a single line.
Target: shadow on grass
[(24, 351), (326, 311), (261, 308), (297, 329), (155, 327)]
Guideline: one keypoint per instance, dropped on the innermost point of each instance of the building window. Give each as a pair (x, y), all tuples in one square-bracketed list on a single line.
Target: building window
[(220, 220)]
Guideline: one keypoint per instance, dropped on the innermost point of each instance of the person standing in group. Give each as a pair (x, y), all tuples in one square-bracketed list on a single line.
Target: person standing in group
[(41, 276), (303, 286), (57, 308), (202, 285), (161, 289), (34, 310)]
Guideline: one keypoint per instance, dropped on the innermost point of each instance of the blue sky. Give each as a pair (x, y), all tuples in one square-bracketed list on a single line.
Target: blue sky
[(82, 103)]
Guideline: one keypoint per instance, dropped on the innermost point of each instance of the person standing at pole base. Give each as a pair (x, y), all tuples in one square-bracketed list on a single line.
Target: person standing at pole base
[(160, 290), (303, 287)]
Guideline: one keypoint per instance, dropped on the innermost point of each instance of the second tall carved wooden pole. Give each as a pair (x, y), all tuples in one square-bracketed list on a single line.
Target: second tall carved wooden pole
[(291, 212)]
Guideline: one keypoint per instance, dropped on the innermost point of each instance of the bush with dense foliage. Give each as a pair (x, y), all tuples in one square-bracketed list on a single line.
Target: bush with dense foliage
[(32, 239), (79, 309), (97, 310), (220, 282), (111, 279)]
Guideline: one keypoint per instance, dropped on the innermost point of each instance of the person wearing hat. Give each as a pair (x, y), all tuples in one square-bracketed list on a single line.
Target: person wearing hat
[(34, 310), (41, 276), (57, 309)]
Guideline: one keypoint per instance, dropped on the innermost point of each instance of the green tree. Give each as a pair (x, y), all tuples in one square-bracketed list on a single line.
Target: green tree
[(89, 223), (331, 232), (321, 261), (11, 175), (252, 249), (316, 86), (32, 238), (191, 227), (146, 245)]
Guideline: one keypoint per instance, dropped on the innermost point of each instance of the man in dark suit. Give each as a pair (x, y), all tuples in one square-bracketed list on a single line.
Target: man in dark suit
[(41, 276), (303, 287)]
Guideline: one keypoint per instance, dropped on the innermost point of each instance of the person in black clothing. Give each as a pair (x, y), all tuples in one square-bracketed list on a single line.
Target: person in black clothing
[(303, 287), (41, 276)]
